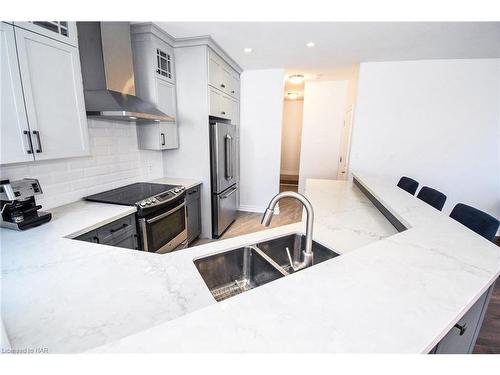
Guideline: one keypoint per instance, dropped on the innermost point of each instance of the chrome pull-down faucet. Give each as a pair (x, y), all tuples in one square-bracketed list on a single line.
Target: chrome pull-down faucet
[(307, 253)]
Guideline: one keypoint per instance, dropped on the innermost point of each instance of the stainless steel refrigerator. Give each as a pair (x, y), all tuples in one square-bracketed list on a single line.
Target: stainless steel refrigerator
[(223, 166)]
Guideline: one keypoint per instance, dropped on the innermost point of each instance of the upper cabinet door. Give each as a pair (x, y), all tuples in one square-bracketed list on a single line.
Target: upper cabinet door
[(165, 92), (164, 61), (235, 85), (15, 145), (53, 93), (214, 70), (225, 83), (63, 31)]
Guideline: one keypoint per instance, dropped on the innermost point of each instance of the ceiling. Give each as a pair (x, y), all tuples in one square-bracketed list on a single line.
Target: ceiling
[(340, 45)]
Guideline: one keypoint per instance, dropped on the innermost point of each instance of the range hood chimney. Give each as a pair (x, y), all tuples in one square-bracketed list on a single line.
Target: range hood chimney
[(108, 74)]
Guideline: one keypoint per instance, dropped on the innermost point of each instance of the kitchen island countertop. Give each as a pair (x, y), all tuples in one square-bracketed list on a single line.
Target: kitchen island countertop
[(387, 292)]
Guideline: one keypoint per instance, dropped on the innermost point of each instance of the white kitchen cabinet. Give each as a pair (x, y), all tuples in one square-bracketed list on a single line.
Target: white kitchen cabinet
[(62, 31), (154, 71), (164, 68), (235, 85), (165, 92), (53, 95), (220, 104), (15, 141), (221, 76), (214, 70), (157, 136), (235, 111)]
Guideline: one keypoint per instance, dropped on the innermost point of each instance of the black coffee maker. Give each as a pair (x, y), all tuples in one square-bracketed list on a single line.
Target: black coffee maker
[(19, 208)]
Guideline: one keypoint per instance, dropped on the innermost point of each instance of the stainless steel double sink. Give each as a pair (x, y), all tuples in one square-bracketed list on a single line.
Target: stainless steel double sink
[(236, 271)]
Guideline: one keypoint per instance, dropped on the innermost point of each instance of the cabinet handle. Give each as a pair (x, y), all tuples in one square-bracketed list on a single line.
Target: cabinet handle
[(232, 91), (39, 149), (223, 85), (192, 192), (462, 329), (121, 228), (30, 151), (96, 239), (162, 139), (223, 113)]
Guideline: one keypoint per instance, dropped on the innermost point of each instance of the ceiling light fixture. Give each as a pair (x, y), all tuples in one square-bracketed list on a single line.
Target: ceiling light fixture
[(247, 50), (310, 44), (296, 78), (292, 95)]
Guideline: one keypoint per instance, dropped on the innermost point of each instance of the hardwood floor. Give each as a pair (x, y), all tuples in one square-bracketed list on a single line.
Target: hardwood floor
[(488, 341), (249, 222)]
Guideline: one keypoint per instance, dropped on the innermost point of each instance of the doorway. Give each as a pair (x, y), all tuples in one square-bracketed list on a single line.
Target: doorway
[(291, 136)]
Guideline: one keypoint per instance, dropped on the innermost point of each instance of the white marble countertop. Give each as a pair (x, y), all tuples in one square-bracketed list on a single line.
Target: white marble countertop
[(388, 292)]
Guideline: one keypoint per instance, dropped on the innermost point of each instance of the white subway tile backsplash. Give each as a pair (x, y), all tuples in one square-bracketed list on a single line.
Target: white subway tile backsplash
[(115, 161)]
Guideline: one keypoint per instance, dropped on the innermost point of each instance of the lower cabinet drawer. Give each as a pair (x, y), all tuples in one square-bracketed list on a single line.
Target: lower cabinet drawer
[(192, 194), (115, 228), (120, 233)]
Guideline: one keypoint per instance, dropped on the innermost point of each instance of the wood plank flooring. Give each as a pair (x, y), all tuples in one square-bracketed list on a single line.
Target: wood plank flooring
[(488, 341), (249, 222)]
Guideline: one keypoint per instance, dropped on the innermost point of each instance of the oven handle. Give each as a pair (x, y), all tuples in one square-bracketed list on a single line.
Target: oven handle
[(165, 214)]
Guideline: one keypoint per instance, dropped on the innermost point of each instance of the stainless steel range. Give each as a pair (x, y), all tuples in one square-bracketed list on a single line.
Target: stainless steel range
[(161, 213)]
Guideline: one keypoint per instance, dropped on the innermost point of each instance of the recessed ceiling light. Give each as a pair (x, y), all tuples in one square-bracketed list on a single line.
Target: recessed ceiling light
[(296, 78), (310, 44), (292, 95), (247, 50)]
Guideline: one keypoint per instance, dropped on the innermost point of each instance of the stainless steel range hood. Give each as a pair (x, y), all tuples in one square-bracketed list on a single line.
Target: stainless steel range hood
[(108, 74)]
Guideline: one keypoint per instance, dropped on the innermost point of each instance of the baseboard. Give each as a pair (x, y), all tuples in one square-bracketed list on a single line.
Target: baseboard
[(257, 209)]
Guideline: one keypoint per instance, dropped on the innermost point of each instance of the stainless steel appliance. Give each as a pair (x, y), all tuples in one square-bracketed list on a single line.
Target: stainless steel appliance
[(224, 186), (108, 74), (19, 208), (161, 213)]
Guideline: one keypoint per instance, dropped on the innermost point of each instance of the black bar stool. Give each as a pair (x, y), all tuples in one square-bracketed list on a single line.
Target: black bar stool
[(432, 197), (408, 184), (476, 220)]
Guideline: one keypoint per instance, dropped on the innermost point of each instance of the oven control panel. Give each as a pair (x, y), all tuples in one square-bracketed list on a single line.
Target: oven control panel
[(161, 198)]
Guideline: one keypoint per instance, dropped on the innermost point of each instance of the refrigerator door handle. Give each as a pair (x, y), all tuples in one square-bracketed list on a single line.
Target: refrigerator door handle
[(228, 194), (228, 140)]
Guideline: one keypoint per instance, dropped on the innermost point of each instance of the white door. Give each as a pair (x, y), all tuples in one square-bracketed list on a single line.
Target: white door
[(53, 93), (345, 145), (15, 143), (165, 92)]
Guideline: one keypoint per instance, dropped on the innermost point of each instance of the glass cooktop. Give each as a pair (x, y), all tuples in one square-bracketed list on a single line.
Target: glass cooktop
[(129, 195)]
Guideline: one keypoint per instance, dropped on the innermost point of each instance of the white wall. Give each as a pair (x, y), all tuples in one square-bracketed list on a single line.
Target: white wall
[(291, 135), (437, 121), (115, 161), (325, 104), (261, 118), (192, 158)]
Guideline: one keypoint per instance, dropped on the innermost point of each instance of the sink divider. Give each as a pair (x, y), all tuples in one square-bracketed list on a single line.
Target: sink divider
[(268, 259)]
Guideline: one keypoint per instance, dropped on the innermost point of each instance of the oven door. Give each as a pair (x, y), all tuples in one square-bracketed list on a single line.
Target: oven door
[(164, 230)]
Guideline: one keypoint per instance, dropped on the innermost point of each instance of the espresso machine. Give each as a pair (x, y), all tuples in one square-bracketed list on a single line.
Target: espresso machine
[(19, 208)]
